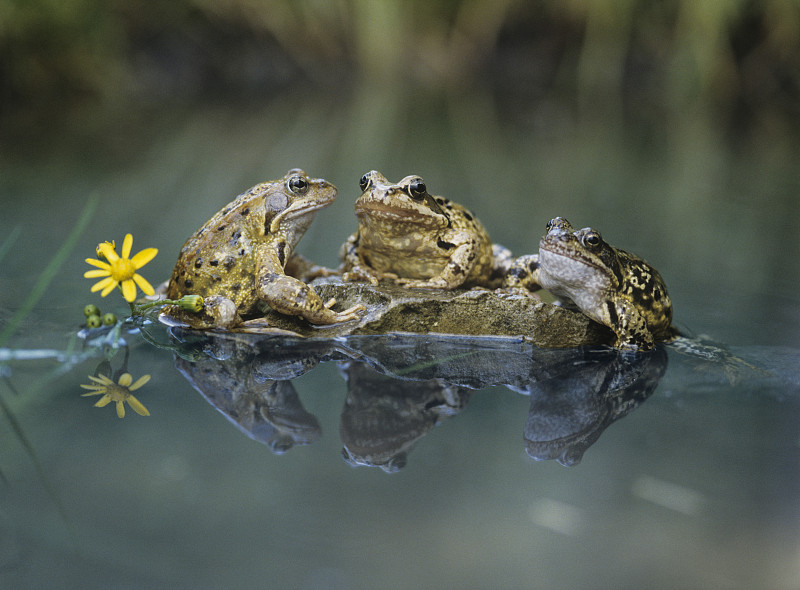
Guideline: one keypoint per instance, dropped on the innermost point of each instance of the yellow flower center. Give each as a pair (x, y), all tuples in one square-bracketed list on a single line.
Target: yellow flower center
[(117, 393), (122, 270)]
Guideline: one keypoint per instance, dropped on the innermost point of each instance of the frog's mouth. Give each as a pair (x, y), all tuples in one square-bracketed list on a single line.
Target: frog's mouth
[(563, 254), (379, 209), (297, 209)]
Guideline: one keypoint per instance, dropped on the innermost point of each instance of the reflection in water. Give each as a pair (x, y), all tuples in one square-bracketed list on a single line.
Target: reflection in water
[(577, 394), (249, 381), (400, 386), (384, 416)]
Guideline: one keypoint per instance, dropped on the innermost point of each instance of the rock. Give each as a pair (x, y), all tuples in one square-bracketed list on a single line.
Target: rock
[(475, 312)]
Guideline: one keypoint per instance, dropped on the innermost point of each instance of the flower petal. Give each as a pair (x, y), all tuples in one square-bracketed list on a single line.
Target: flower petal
[(103, 401), (99, 264), (129, 291), (127, 243), (125, 379), (139, 382), (103, 284), (93, 387), (109, 287), (96, 273), (144, 257), (144, 285), (121, 406), (137, 406), (92, 393), (101, 379)]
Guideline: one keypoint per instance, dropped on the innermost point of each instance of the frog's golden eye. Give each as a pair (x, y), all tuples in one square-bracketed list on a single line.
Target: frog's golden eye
[(298, 185), (592, 239), (417, 190), (365, 182)]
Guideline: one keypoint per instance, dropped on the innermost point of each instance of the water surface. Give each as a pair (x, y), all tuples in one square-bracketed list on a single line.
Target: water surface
[(692, 482)]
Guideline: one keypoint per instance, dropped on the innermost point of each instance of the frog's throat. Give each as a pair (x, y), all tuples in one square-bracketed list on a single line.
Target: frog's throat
[(569, 255), (296, 210)]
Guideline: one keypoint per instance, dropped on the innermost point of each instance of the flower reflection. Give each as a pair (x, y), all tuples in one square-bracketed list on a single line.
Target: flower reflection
[(119, 392)]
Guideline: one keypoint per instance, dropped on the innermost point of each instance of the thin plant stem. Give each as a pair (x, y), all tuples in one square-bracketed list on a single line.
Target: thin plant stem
[(50, 271)]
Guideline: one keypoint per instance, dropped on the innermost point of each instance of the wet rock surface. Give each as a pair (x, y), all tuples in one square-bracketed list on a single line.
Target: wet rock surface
[(475, 312)]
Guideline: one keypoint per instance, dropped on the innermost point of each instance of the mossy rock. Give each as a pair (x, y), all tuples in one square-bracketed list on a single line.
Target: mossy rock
[(474, 312)]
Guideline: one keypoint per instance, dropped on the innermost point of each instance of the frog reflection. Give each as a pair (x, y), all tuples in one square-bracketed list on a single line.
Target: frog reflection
[(248, 380), (384, 417), (577, 394)]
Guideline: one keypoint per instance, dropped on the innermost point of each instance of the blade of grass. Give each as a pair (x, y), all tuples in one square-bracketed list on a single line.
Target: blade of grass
[(50, 270), (9, 241)]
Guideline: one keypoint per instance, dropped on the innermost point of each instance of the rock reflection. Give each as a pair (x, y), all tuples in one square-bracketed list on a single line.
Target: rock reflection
[(399, 387), (577, 394)]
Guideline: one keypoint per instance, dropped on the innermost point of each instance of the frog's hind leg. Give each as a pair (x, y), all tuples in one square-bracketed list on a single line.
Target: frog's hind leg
[(523, 274)]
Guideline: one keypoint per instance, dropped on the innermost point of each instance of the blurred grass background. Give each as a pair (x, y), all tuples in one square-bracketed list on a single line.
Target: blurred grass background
[(742, 57)]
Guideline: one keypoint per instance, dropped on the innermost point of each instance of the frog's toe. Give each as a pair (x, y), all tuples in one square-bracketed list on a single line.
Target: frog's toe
[(353, 313)]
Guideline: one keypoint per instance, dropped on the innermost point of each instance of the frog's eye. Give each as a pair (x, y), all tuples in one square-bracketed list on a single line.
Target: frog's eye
[(592, 239), (298, 185), (365, 182), (417, 190)]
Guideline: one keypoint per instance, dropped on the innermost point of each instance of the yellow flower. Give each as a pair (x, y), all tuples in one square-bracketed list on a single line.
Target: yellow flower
[(117, 392), (120, 269)]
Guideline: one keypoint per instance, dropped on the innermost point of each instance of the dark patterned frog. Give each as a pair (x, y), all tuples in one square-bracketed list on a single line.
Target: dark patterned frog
[(609, 285)]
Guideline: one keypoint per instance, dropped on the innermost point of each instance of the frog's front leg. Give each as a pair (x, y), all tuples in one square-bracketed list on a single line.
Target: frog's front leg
[(523, 274), (291, 296), (629, 326), (463, 256)]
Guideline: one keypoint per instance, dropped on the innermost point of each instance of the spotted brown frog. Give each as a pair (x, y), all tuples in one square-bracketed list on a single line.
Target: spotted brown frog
[(609, 285), (416, 239), (237, 261)]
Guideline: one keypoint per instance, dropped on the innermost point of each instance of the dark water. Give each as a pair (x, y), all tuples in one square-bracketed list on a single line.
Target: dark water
[(688, 470)]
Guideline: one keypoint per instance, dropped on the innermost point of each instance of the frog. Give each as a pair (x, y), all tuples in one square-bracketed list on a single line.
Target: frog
[(418, 240), (608, 284), (238, 260)]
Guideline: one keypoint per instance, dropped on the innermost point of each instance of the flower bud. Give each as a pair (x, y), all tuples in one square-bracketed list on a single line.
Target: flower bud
[(93, 321), (91, 309), (191, 303), (109, 319)]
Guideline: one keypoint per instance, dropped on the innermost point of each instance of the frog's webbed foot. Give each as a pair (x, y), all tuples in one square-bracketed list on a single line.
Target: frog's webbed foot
[(434, 283), (302, 268), (360, 274), (523, 274), (352, 313)]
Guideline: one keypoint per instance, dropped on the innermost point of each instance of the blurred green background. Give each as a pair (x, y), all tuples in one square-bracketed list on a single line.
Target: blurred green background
[(740, 56)]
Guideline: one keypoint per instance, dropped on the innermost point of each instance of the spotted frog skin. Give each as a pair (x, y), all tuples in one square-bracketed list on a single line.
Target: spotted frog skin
[(237, 260), (609, 285), (415, 239)]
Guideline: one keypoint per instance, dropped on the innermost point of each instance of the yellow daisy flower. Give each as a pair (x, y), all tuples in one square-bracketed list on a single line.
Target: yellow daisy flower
[(117, 392), (120, 270)]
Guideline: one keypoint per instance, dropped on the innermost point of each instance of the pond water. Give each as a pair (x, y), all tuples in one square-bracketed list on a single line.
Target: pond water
[(405, 462)]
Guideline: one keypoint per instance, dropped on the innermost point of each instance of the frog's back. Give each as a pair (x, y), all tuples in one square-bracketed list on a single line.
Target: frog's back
[(217, 258), (643, 286)]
